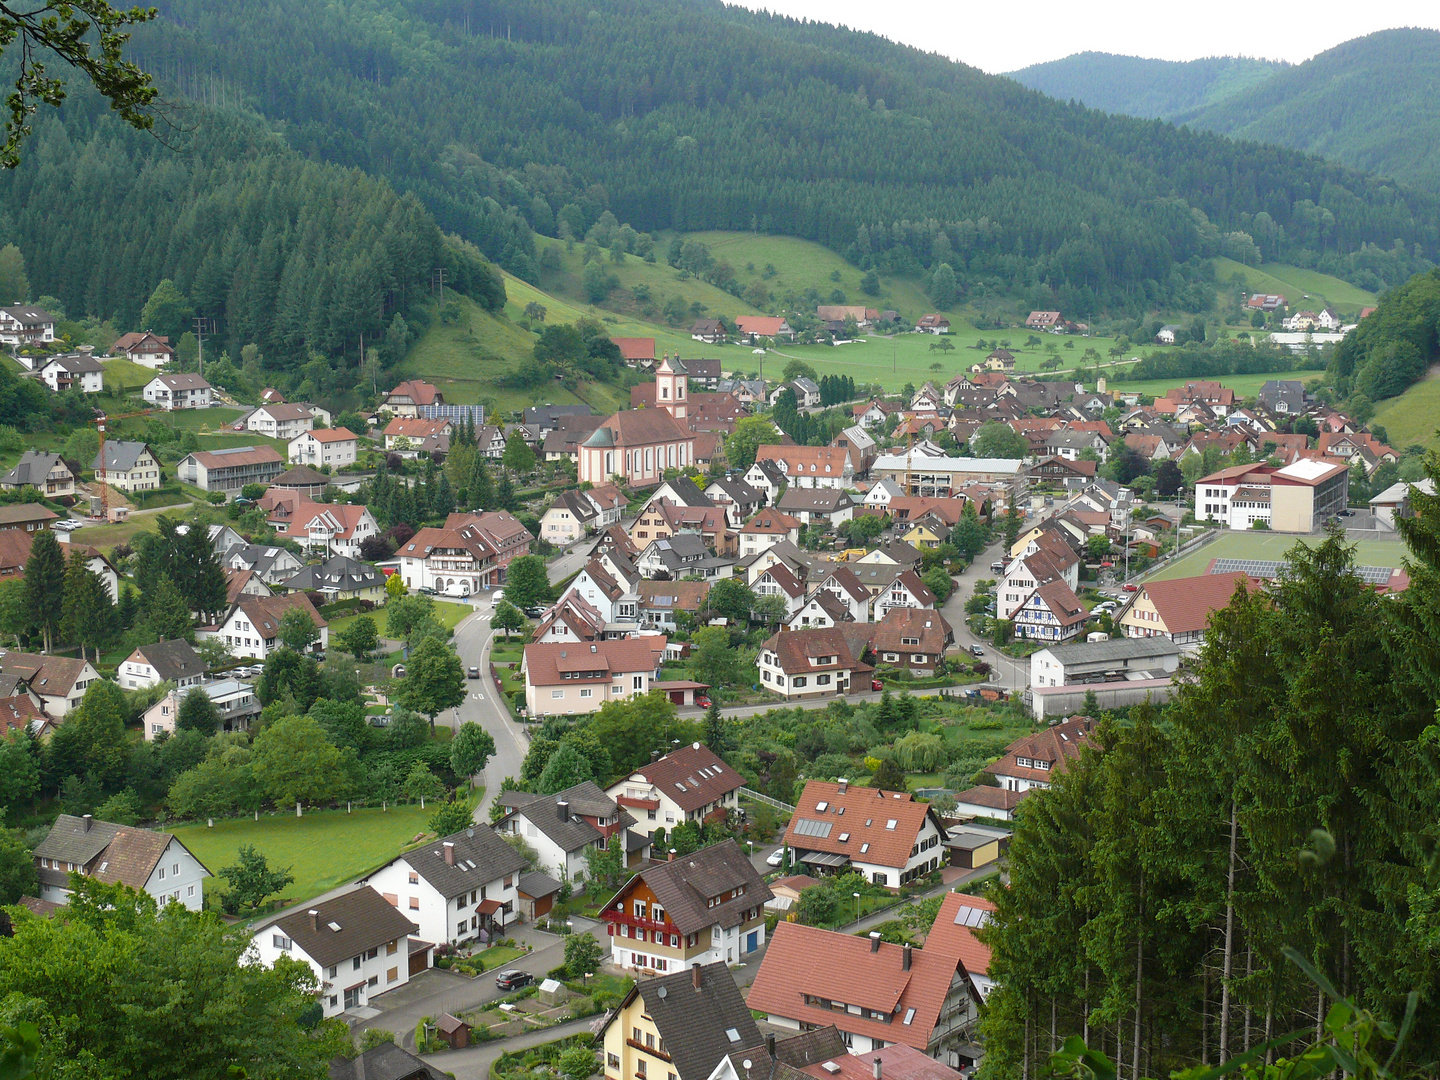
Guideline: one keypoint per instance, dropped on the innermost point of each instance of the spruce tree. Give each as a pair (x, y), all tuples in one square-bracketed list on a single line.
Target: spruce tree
[(167, 614), (482, 487), (88, 616), (45, 586)]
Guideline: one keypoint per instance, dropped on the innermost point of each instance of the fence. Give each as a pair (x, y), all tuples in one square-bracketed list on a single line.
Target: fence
[(767, 800)]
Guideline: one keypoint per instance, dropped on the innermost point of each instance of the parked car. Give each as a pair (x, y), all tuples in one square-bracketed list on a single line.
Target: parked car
[(876, 684), (472, 673), (1130, 586), (703, 700), (534, 611), (426, 590), (976, 650), (997, 567), (513, 980), (776, 857)]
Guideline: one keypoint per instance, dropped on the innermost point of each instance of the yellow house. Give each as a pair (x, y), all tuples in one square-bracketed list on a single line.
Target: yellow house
[(922, 536), (1024, 540), (665, 1028)]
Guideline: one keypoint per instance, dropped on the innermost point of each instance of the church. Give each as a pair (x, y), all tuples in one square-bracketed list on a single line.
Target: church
[(638, 445)]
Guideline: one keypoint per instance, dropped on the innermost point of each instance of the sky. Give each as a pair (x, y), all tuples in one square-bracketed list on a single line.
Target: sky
[(1000, 37)]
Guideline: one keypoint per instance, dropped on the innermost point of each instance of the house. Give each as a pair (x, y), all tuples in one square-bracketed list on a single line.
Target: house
[(1052, 612), (470, 553), (911, 638), (1393, 504), (58, 681), (1167, 334), (810, 663), (413, 435), (753, 328), (738, 499), (341, 578), (828, 507), (863, 316), (765, 530), (562, 826), (335, 447), (873, 413), (150, 862), (162, 661), (896, 589), (22, 325), (880, 495), (988, 802), (1112, 660), (386, 1061), (46, 473), (282, 422), (127, 466), (185, 391), (822, 609), (1042, 320), (1000, 360), (148, 350), (73, 371), (679, 1026), (569, 518), (636, 351), (230, 469), (810, 466), (703, 908), (689, 784), (455, 888), (21, 713), (408, 397), (235, 703), (703, 373), (639, 445), (1070, 444), (932, 324), (1284, 396), (1265, 302), (271, 565), (887, 836), (1054, 562), (611, 595), (679, 556), (1033, 761), (251, 627), (570, 619), (780, 581), (660, 600), (710, 331), (1179, 609), (564, 679), (1293, 498), (357, 945)]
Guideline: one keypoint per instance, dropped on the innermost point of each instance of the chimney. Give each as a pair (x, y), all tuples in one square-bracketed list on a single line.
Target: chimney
[(874, 941), (563, 808), (314, 914), (654, 755), (770, 1046), (844, 785), (449, 853), (88, 821), (905, 954), (695, 976), (672, 855), (877, 1069)]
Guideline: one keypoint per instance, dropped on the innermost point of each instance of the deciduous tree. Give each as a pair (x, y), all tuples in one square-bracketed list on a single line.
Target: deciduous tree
[(251, 880), (434, 680)]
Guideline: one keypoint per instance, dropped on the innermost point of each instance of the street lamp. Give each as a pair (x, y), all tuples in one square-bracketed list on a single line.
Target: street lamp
[(857, 906), (588, 976)]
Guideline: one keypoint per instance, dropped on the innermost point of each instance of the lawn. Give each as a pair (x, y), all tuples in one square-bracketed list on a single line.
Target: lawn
[(448, 613), (1270, 545), (1302, 288), (323, 849), (129, 374), (1414, 416), (107, 536)]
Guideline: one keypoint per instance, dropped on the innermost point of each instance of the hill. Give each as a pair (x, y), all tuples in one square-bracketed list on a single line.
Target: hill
[(1137, 86), (512, 120)]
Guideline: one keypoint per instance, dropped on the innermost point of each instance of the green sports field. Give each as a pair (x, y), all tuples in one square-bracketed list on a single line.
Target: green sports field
[(1268, 545)]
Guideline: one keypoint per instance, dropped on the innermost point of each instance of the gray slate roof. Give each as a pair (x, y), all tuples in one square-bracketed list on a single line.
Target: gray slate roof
[(174, 660), (694, 1023), (535, 884), (70, 843), (32, 468), (1114, 649), (365, 920), (384, 1062), (121, 455), (480, 857), (340, 572), (685, 885), (544, 812)]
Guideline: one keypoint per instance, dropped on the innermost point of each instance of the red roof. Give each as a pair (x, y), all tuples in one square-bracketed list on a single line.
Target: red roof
[(635, 348), (1055, 747), (1185, 604), (866, 821), (953, 932), (330, 435), (547, 663)]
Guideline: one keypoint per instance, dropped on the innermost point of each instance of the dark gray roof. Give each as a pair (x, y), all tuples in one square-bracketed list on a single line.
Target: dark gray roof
[(545, 415), (813, 500), (480, 857), (1082, 652), (791, 1055), (75, 363), (365, 920), (739, 491), (685, 885), (69, 841), (384, 1062), (301, 476), (535, 884), (121, 455), (543, 811), (688, 492), (340, 572), (174, 660), (32, 468), (695, 1023)]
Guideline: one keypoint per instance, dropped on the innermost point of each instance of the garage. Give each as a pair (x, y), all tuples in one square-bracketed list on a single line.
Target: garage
[(419, 956)]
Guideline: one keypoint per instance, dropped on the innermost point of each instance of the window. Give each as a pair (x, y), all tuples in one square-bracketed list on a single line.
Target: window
[(555, 695), (612, 1061), (190, 890), (162, 873), (281, 942), (374, 980), (586, 692), (414, 903), (414, 878), (355, 963)]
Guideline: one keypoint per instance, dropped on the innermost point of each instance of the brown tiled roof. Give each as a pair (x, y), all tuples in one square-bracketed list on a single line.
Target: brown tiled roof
[(635, 348), (1185, 604), (781, 575), (929, 627), (547, 662), (17, 713), (772, 522), (265, 612), (803, 961), (1058, 746), (362, 920), (49, 676), (897, 1062), (238, 457), (331, 435), (1062, 602), (686, 885), (235, 582), (794, 648), (672, 595), (415, 428), (866, 820), (691, 777), (24, 513), (996, 798), (417, 390), (828, 460), (764, 325), (130, 857)]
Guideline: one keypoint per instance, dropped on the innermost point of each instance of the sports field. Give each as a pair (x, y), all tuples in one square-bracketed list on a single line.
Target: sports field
[(1268, 545)]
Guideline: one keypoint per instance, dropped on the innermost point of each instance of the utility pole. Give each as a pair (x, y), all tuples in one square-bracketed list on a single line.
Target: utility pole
[(203, 326), (437, 277)]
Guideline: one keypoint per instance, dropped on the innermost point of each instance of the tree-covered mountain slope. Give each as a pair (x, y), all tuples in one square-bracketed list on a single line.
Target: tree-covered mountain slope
[(508, 117), (1139, 86)]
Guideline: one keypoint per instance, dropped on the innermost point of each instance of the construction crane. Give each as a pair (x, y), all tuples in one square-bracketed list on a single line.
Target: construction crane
[(100, 421)]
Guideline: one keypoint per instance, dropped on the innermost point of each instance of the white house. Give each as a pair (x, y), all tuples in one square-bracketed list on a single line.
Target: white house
[(76, 371), (148, 350), (25, 326), (357, 945), (280, 421), (251, 628), (561, 827), (162, 661), (335, 447), (811, 663), (689, 784), (184, 391), (455, 888), (235, 703), (563, 679), (129, 466), (58, 681), (149, 862), (886, 835)]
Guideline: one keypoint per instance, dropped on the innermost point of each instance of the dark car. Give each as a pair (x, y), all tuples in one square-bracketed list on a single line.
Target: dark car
[(534, 611), (472, 673), (513, 980), (975, 650)]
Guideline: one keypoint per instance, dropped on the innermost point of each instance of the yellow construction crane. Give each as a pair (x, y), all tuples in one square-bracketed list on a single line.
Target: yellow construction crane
[(100, 421)]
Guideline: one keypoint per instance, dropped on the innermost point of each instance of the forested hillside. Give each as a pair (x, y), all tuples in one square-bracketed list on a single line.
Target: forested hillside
[(300, 258), (1138, 86), (1395, 345), (506, 117)]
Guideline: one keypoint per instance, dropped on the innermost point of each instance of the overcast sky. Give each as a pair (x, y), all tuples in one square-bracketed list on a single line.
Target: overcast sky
[(999, 37)]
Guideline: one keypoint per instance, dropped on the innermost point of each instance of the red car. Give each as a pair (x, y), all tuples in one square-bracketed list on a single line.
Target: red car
[(876, 684), (1131, 587), (703, 700)]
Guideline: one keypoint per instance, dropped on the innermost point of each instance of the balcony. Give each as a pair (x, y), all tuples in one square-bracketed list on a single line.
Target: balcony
[(620, 918), (652, 1051)]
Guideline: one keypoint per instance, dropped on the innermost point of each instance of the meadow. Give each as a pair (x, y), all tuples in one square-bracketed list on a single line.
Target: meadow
[(1243, 385), (1413, 417), (1302, 288), (448, 615), (1272, 545), (322, 849)]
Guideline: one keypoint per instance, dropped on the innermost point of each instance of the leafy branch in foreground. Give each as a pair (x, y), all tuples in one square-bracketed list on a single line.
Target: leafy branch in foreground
[(61, 29)]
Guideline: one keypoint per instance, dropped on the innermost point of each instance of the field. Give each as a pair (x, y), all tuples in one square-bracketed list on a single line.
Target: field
[(323, 849), (1413, 417), (1302, 288), (1243, 385), (449, 615), (1268, 545)]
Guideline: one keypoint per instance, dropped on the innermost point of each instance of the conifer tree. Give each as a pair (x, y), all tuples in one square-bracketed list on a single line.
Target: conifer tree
[(45, 586)]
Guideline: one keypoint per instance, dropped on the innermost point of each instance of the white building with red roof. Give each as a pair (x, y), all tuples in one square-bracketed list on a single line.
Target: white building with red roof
[(692, 783), (638, 446), (811, 663), (1034, 761), (408, 397), (564, 678), (335, 447), (886, 835), (1179, 609)]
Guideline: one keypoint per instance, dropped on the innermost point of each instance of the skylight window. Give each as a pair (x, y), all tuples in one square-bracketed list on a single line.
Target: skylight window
[(891, 824), (732, 1035), (822, 806), (844, 836), (864, 848)]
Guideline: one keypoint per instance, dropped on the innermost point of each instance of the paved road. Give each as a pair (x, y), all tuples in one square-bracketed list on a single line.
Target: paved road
[(1010, 674), (483, 706)]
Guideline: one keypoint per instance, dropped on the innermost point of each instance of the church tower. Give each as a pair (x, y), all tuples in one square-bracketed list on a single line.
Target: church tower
[(670, 382)]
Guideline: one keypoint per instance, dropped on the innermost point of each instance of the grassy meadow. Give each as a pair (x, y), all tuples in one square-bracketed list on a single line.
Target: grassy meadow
[(1243, 385), (1296, 285), (1413, 417)]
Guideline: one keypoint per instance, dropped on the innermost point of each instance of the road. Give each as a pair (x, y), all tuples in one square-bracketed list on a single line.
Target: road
[(1010, 674)]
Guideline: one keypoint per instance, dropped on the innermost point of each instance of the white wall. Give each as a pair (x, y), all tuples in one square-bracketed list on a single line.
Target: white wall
[(389, 969), (438, 916)]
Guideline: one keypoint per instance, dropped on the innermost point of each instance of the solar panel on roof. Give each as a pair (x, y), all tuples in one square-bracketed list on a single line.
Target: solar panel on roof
[(971, 917), (811, 827), (1273, 568)]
